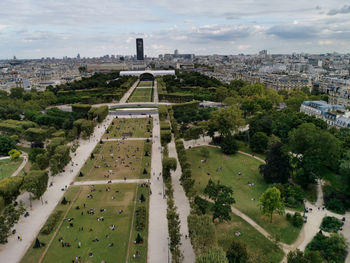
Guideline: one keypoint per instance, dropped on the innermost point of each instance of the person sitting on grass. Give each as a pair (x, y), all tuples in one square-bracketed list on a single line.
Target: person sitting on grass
[(111, 244), (112, 227)]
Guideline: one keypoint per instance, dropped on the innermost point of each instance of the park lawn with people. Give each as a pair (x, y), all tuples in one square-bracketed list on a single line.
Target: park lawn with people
[(118, 160), (240, 172), (130, 128), (260, 249), (141, 95), (8, 167), (112, 245), (145, 83)]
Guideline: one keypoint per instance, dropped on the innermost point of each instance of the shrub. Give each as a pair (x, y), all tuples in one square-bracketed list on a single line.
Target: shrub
[(51, 222), (298, 220), (140, 221), (331, 224)]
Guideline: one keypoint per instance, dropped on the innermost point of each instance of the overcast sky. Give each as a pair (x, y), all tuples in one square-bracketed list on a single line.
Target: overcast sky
[(41, 28)]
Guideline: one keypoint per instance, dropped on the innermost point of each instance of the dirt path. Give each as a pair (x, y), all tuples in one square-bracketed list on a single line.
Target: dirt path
[(20, 168)]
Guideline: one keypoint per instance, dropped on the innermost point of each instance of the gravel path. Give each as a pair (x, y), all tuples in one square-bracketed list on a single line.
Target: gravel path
[(24, 162), (183, 207), (157, 224)]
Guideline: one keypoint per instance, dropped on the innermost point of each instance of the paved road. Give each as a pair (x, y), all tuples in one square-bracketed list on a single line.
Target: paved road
[(158, 223), (183, 207)]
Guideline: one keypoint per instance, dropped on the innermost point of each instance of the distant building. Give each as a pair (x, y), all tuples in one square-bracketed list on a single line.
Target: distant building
[(139, 48), (339, 95), (334, 115)]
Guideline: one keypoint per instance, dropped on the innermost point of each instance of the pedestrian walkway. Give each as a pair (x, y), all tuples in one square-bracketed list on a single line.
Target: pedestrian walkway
[(126, 96), (125, 139), (155, 92), (183, 207), (20, 168), (158, 224)]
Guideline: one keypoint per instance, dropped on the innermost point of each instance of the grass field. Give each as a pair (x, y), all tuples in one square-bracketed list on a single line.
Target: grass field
[(141, 95), (246, 196), (123, 127), (145, 83), (122, 237), (259, 248), (8, 167), (118, 159)]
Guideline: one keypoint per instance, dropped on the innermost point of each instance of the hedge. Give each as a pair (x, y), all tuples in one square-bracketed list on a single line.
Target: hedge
[(163, 112), (164, 125), (83, 108), (51, 222), (165, 137), (140, 222), (175, 97)]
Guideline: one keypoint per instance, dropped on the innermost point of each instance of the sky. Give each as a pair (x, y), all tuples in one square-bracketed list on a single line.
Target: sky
[(57, 28)]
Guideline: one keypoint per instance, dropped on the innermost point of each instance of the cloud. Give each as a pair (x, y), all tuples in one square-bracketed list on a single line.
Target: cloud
[(294, 31), (343, 10)]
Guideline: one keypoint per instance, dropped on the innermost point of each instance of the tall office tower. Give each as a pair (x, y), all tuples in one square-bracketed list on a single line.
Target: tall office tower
[(139, 48)]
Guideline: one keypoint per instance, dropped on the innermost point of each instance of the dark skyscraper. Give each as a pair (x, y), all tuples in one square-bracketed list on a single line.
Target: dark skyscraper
[(139, 48)]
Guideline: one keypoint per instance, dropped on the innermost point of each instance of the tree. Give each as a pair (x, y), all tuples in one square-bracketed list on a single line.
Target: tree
[(17, 93), (10, 188), (229, 145), (258, 142), (277, 168), (202, 232), (214, 255), (10, 216), (227, 120), (35, 134), (237, 252), (35, 182), (271, 202), (298, 256), (223, 199), (6, 145), (312, 147), (14, 154)]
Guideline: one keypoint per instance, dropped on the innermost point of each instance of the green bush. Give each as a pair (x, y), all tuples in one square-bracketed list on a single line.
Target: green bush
[(140, 221), (331, 224), (51, 222)]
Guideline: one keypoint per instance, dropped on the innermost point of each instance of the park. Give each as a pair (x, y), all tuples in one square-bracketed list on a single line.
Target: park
[(131, 128), (96, 223)]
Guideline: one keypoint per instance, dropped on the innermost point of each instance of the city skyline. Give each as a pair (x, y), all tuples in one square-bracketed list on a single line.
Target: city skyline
[(35, 29)]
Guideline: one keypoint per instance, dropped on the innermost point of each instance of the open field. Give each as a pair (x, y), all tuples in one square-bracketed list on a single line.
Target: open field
[(226, 168), (145, 83), (8, 167), (125, 127), (118, 159), (120, 207), (259, 248), (141, 95)]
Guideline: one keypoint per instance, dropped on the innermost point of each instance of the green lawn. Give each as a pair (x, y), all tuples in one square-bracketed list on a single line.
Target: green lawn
[(141, 95), (246, 196), (118, 159), (145, 83), (120, 237), (245, 148), (8, 167), (125, 127), (260, 249)]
